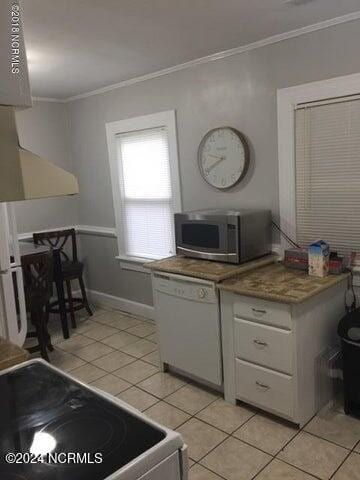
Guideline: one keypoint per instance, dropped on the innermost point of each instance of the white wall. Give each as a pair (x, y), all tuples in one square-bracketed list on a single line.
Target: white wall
[(43, 129), (239, 91)]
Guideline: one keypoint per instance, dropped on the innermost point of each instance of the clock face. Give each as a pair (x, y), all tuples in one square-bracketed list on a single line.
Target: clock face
[(223, 157)]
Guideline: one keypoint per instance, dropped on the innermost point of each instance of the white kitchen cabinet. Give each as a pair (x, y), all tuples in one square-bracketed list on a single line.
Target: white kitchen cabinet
[(272, 351), (14, 77)]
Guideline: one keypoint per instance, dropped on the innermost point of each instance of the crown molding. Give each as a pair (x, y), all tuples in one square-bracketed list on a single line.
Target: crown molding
[(213, 57), (49, 99)]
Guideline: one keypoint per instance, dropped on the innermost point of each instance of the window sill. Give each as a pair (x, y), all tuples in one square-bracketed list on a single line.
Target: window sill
[(133, 263)]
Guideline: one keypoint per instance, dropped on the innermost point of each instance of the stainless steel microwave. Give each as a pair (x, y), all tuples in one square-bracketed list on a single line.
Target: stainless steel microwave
[(223, 235)]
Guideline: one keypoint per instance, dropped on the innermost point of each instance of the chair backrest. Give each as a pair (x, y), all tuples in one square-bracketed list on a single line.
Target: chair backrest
[(37, 275), (59, 239)]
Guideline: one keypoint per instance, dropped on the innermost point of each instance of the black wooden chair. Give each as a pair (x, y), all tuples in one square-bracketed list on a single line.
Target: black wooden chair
[(71, 269), (37, 273)]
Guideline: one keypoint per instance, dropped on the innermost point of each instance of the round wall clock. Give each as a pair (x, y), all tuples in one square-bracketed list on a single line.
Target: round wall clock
[(223, 157)]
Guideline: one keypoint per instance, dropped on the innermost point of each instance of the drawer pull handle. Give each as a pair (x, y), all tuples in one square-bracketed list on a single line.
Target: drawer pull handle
[(262, 385), (257, 311), (261, 343)]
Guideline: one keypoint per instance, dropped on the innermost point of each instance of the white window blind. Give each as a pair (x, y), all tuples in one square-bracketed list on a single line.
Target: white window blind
[(328, 174), (146, 192)]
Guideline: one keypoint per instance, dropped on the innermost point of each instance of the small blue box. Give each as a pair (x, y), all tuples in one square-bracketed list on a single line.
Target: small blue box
[(319, 255)]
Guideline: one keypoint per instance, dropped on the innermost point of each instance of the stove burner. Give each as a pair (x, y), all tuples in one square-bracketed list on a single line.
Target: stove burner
[(28, 388), (42, 411), (86, 433)]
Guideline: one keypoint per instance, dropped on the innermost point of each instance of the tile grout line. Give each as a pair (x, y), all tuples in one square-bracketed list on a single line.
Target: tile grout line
[(89, 362), (100, 341), (345, 459), (226, 438), (137, 385), (329, 441), (207, 468), (313, 475), (194, 416), (230, 435), (207, 423), (101, 356), (341, 464), (320, 438), (263, 468), (57, 347), (292, 465)]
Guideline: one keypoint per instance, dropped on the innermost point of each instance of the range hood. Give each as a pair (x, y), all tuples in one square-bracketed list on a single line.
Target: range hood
[(24, 175)]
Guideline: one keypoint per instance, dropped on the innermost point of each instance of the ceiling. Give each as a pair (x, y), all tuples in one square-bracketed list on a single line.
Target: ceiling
[(75, 46)]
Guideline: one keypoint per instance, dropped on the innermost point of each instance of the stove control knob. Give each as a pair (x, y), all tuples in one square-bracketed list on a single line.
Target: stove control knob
[(202, 293)]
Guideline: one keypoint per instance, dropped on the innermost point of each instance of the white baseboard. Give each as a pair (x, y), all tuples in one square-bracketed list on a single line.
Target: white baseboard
[(119, 303)]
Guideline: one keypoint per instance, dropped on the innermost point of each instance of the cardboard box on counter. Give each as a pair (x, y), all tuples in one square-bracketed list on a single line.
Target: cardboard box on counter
[(319, 255)]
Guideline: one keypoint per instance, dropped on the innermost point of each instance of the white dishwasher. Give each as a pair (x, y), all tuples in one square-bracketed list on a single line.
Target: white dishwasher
[(188, 321)]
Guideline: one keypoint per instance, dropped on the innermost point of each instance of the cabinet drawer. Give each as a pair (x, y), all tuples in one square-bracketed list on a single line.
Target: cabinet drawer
[(271, 313), (262, 344), (264, 388)]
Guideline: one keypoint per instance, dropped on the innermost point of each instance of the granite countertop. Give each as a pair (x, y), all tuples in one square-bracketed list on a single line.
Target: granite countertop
[(278, 283), (11, 354), (206, 269)]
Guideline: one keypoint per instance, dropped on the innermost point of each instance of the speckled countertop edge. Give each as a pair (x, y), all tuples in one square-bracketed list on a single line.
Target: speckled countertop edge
[(238, 289), (167, 266)]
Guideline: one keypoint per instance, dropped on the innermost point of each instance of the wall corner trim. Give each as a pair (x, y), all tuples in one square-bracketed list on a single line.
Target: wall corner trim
[(96, 230), (82, 229)]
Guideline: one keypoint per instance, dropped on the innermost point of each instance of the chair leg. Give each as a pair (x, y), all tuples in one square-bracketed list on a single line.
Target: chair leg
[(71, 304), (84, 297), (49, 345), (41, 338)]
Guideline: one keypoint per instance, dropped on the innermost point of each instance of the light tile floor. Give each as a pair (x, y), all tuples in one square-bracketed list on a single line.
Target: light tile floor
[(117, 352)]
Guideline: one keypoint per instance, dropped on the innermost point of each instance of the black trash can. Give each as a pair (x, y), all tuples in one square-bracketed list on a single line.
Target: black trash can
[(349, 332)]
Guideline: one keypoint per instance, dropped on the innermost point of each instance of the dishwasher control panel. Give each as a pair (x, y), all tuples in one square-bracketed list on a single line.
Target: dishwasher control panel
[(185, 288)]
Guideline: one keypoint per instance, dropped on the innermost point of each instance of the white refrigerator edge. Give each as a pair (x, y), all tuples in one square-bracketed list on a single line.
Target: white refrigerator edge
[(13, 321)]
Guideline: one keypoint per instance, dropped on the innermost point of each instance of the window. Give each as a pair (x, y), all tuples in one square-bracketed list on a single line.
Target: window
[(146, 193), (327, 168), (319, 161)]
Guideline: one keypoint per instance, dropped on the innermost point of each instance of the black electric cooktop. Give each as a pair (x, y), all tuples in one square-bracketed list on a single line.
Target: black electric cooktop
[(43, 411)]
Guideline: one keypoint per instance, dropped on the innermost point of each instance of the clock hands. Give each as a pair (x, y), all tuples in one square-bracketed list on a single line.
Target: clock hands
[(215, 164)]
